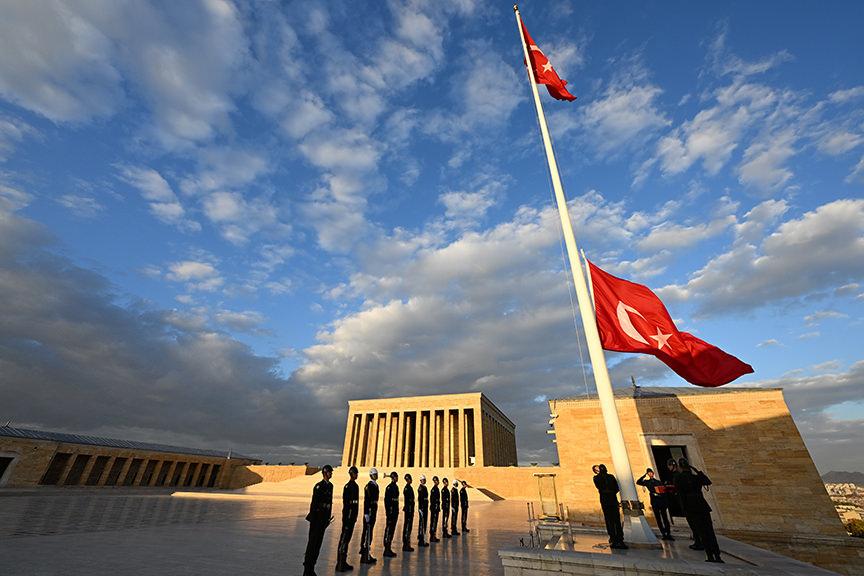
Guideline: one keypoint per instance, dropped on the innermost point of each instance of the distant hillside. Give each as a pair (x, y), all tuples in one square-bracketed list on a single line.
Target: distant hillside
[(844, 478)]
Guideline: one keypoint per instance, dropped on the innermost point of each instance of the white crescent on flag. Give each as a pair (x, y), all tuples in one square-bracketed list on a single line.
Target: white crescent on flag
[(626, 324)]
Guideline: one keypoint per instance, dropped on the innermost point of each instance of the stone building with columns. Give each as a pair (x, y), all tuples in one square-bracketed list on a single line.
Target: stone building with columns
[(440, 431)]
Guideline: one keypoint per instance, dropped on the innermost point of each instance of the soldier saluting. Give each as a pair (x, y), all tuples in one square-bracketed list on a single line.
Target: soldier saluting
[(434, 509), (445, 508), (350, 508), (422, 511), (391, 509), (370, 513), (319, 518)]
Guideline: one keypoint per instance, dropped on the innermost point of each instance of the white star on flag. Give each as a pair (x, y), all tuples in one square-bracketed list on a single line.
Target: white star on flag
[(547, 67), (661, 339)]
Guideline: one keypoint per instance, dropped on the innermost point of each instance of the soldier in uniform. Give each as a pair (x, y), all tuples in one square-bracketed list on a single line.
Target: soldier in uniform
[(319, 518), (463, 501), (434, 509), (454, 502), (422, 511), (350, 505), (408, 509), (672, 465), (607, 487), (689, 483), (659, 502), (445, 508), (391, 509), (370, 513)]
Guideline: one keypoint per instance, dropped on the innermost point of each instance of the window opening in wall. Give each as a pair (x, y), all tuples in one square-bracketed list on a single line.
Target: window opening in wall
[(214, 475), (178, 473), (5, 462), (203, 475), (662, 454), (55, 469), (148, 473), (77, 470), (190, 473), (96, 472), (134, 467), (114, 472), (163, 473)]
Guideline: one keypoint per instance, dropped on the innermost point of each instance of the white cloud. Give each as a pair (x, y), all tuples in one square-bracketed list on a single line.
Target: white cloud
[(623, 118), (763, 164), (468, 207), (671, 236), (241, 321), (163, 203), (12, 132), (840, 142), (850, 289), (202, 276), (820, 315), (846, 95), (822, 248), (81, 206), (771, 342), (12, 199)]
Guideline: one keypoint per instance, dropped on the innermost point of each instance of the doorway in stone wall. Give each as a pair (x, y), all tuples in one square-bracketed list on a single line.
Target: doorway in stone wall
[(662, 454)]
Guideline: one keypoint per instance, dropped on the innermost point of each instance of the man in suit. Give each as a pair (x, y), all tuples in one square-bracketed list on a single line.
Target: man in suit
[(350, 505), (370, 513), (445, 508), (454, 502), (434, 509), (319, 519), (391, 509), (607, 487), (463, 502), (422, 511)]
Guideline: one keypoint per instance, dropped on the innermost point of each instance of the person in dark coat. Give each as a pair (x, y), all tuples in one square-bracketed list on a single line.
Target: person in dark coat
[(434, 509), (370, 513), (350, 509), (445, 508), (422, 511), (319, 519), (408, 509), (463, 501), (607, 487), (689, 483), (391, 509), (659, 502), (454, 502)]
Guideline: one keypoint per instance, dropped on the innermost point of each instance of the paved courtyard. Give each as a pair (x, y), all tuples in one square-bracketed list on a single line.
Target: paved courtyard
[(108, 534)]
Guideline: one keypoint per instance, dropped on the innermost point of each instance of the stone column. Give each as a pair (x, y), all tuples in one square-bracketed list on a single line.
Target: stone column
[(349, 435), (462, 457), (368, 440), (433, 443), (388, 422), (417, 426), (448, 462)]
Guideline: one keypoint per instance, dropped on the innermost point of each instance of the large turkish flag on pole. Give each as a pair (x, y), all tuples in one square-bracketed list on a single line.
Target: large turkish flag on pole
[(544, 73), (631, 318)]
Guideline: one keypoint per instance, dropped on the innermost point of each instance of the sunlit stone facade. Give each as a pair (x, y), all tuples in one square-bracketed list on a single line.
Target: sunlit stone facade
[(442, 431)]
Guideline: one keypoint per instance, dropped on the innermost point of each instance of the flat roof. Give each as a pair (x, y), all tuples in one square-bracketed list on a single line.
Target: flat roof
[(479, 395), (666, 392), (27, 434)]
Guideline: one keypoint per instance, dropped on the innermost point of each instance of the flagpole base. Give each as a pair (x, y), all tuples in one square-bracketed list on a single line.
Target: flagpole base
[(637, 532)]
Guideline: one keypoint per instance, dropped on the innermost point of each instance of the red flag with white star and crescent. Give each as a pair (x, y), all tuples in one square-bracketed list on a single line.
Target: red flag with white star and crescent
[(631, 318), (543, 71)]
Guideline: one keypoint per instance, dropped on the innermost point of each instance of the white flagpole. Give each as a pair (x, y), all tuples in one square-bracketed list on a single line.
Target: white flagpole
[(637, 530)]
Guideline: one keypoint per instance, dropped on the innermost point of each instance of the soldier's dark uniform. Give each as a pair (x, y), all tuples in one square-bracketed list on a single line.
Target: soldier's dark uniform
[(408, 520), (659, 503), (445, 511), (689, 484), (319, 519), (434, 510), (463, 501), (454, 516), (350, 508), (391, 509), (370, 514), (607, 487)]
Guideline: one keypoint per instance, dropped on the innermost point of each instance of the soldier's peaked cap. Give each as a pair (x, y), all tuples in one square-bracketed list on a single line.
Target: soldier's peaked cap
[(327, 468)]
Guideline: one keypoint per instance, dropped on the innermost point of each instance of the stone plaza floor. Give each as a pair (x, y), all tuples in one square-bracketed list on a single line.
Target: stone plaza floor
[(70, 532), (67, 532)]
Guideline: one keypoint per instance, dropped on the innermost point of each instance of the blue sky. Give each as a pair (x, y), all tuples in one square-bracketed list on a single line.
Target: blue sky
[(222, 221)]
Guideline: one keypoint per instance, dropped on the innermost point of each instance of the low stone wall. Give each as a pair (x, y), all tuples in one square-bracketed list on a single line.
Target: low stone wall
[(840, 554), (244, 476)]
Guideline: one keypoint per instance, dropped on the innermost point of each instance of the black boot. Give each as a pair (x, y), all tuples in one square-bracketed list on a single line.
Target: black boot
[(388, 553), (367, 559)]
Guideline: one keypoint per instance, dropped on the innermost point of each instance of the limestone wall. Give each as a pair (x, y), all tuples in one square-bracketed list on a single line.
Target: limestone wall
[(746, 441), (243, 476)]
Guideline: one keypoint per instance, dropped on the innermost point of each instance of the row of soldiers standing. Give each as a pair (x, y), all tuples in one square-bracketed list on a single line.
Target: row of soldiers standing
[(442, 501)]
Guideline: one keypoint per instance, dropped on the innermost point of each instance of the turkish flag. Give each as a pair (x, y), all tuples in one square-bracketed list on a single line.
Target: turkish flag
[(631, 318), (543, 71)]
